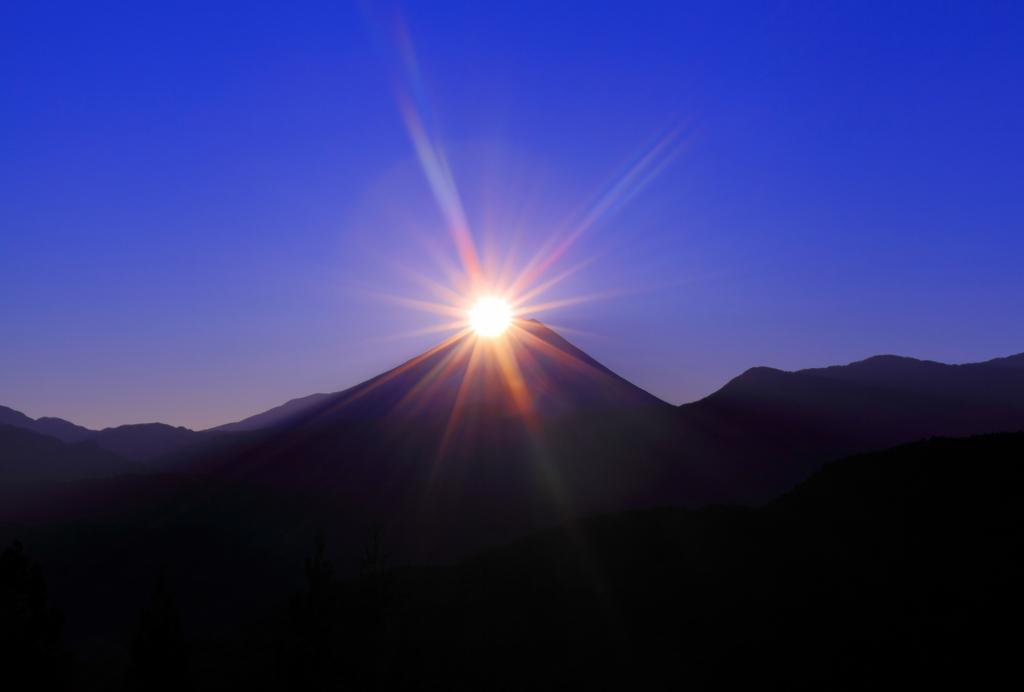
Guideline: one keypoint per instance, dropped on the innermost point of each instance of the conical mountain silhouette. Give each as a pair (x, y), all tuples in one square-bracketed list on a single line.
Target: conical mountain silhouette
[(530, 416), (473, 441), (530, 370), (457, 450)]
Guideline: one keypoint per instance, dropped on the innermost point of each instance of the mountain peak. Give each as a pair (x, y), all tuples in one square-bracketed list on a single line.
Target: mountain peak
[(1014, 361), (530, 369)]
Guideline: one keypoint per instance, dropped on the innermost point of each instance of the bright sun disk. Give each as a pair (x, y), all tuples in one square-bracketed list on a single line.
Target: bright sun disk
[(490, 316)]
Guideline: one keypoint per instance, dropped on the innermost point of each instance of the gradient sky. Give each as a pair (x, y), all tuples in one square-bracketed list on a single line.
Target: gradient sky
[(201, 201)]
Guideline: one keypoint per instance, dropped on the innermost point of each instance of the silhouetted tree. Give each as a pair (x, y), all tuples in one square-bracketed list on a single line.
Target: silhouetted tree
[(374, 560), (372, 599), (311, 647), (30, 630), (159, 656)]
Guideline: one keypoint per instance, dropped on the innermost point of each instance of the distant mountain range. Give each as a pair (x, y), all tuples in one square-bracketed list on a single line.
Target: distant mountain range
[(770, 428), (145, 442), (31, 457), (472, 444), (476, 441), (758, 435)]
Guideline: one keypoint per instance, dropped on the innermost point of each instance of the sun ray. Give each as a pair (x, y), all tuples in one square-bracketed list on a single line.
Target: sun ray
[(380, 380), (566, 302), (441, 291), (542, 288), (455, 417), (413, 104), (440, 328), (565, 357), (515, 383), (495, 347), (424, 305), (637, 176), (419, 396)]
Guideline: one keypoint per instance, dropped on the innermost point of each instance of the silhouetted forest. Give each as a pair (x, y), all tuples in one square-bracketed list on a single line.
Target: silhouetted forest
[(30, 628), (900, 567)]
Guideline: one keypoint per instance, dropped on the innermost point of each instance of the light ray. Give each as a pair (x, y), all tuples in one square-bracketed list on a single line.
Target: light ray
[(433, 160), (419, 396), (566, 302), (440, 291), (380, 380), (542, 288), (455, 417), (432, 329), (646, 168), (425, 305)]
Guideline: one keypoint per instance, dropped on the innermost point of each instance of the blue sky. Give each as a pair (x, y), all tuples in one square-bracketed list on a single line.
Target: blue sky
[(200, 203)]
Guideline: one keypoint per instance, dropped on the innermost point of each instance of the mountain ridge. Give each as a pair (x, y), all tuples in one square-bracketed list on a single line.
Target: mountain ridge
[(446, 368), (29, 457), (755, 437), (144, 442)]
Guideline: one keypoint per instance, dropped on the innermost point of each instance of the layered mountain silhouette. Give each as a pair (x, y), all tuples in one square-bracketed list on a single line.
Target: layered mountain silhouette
[(771, 428), (531, 416), (474, 443), (143, 442), (29, 457), (756, 437)]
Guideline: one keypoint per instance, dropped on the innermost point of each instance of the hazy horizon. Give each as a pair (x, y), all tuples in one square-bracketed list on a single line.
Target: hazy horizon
[(332, 389), (209, 211)]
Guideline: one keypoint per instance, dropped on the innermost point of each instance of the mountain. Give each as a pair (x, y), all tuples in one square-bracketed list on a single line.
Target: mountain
[(59, 428), (478, 440), (478, 443), (277, 416), (145, 442), (29, 457), (899, 566), (473, 441), (149, 442), (769, 429), (532, 371)]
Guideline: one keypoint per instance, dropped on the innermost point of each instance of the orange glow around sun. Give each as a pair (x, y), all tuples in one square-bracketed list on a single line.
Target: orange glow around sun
[(487, 294), (491, 292)]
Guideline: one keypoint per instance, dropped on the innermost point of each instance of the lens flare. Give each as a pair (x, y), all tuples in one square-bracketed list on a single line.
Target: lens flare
[(490, 316)]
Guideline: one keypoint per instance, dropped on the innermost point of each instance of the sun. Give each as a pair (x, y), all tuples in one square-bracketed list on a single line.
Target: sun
[(490, 316)]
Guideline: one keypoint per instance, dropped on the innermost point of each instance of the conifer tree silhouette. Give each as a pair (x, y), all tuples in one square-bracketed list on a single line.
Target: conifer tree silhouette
[(311, 647), (30, 630), (373, 594), (159, 655)]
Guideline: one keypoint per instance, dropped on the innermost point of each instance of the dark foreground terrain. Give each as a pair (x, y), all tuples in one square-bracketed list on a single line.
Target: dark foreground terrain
[(897, 568)]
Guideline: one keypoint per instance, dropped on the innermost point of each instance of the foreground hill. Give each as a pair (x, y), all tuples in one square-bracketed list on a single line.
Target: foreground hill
[(894, 569)]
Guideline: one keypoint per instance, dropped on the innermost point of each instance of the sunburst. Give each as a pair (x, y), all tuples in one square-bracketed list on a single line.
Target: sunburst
[(490, 316), (482, 310)]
